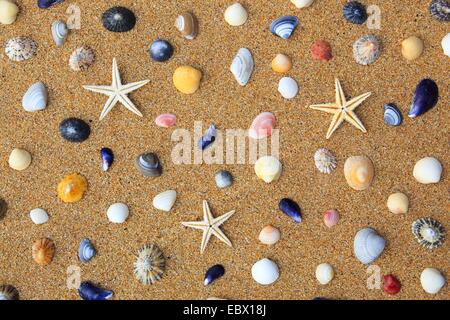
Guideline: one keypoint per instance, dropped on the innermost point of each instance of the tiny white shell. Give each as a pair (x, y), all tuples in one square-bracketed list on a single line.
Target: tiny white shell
[(242, 66), (428, 170), (38, 216), (432, 280), (269, 235), (59, 32), (446, 44), (165, 200), (288, 88), (118, 213), (35, 99), (324, 273), (265, 271), (235, 15)]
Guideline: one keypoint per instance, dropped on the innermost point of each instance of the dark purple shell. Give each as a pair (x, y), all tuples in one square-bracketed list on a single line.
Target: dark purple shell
[(425, 98), (214, 273), (89, 291), (45, 4), (291, 209)]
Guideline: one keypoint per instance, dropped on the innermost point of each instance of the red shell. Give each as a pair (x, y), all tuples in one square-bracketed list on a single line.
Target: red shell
[(321, 50), (391, 285)]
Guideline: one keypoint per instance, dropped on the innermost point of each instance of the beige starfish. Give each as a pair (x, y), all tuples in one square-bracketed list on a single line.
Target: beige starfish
[(342, 110), (117, 92), (210, 226)]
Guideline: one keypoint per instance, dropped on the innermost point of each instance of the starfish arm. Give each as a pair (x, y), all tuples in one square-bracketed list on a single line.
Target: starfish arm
[(128, 104), (125, 89), (200, 225), (205, 239), (116, 81), (355, 102), (326, 107), (107, 90), (335, 123), (353, 119), (110, 103), (207, 215), (340, 96), (220, 220), (221, 236)]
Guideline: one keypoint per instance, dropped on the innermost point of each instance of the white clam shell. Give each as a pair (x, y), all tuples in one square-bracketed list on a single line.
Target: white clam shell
[(268, 168), (446, 44), (265, 271), (302, 3), (269, 235), (35, 99), (39, 216), (398, 203), (236, 15), (432, 280), (118, 213), (19, 159), (428, 170), (59, 32), (324, 273), (288, 87), (368, 245), (165, 200), (242, 66)]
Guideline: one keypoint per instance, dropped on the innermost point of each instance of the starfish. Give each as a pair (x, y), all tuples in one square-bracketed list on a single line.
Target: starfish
[(342, 110), (117, 92), (210, 226)]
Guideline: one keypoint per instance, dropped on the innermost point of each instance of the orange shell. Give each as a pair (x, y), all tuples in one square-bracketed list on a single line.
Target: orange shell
[(43, 251), (321, 50), (359, 172), (281, 63), (72, 187)]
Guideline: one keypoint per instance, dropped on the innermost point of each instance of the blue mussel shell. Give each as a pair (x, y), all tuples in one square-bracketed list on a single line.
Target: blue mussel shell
[(107, 158), (425, 98), (214, 273), (44, 4), (208, 138), (290, 208), (89, 291)]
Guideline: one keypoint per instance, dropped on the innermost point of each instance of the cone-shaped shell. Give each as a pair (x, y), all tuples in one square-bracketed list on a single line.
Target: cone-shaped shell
[(242, 66), (368, 245), (59, 32), (187, 24), (325, 161), (359, 172), (72, 188), (20, 48), (8, 12), (43, 251), (165, 200), (268, 168), (262, 126), (35, 98), (367, 49)]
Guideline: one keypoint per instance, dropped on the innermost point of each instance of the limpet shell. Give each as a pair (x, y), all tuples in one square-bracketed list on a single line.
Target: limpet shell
[(43, 251), (302, 3), (412, 48), (427, 170), (59, 32), (268, 168), (355, 12), (265, 271), (186, 79), (187, 24), (281, 63), (269, 235), (117, 213), (148, 164), (8, 292), (150, 264), (368, 245), (166, 120), (19, 159), (428, 232), (359, 172), (39, 216), (242, 66), (283, 27), (324, 273), (72, 188), (432, 280), (8, 12), (325, 161), (20, 48), (118, 19), (35, 99), (236, 15), (165, 200), (398, 203), (82, 58), (366, 50), (262, 126)]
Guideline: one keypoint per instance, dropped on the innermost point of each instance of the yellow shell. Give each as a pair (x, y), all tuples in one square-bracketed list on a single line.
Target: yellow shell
[(412, 48), (398, 203), (8, 12), (19, 159), (268, 168), (359, 172), (281, 63), (43, 251), (72, 187), (187, 79)]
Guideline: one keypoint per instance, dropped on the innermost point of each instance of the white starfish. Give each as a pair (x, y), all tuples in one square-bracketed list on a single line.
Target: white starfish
[(117, 92), (210, 226)]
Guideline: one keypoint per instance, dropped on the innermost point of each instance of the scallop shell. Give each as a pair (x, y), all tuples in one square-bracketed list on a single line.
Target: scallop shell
[(20, 48), (165, 200), (428, 232), (268, 168), (392, 115), (86, 250), (325, 160), (284, 26), (242, 66), (187, 24), (368, 245), (440, 10), (359, 172), (150, 264), (236, 15), (148, 164), (35, 99), (262, 126), (38, 216), (8, 292), (82, 58), (367, 49), (43, 251), (118, 19), (59, 32)]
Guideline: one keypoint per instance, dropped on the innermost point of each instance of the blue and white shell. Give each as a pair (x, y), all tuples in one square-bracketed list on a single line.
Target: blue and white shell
[(107, 158), (291, 209), (209, 137), (392, 115), (86, 250), (89, 291), (284, 26), (214, 273)]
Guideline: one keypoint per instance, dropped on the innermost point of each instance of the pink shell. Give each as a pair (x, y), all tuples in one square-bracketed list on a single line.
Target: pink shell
[(262, 126), (166, 120), (330, 218)]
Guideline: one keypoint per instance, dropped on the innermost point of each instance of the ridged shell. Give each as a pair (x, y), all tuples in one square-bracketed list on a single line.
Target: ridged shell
[(262, 126), (118, 19), (72, 188), (321, 50), (392, 115), (187, 24), (355, 12), (35, 99), (43, 251), (366, 50), (150, 264), (368, 245), (82, 58), (284, 26), (428, 232), (20, 48), (213, 273), (391, 285), (89, 291), (8, 292), (325, 161), (359, 172), (242, 66), (166, 120), (208, 138), (86, 250), (165, 200), (148, 164), (45, 4), (268, 168), (107, 156), (425, 98), (440, 10), (59, 32)]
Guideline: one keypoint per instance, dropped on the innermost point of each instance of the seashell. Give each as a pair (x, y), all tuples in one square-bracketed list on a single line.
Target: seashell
[(19, 159), (268, 168), (89, 291), (213, 273), (74, 130), (3, 208), (208, 139), (59, 32), (242, 66), (445, 43), (187, 24), (107, 157), (281, 63), (262, 126), (148, 164), (432, 280), (8, 12), (43, 251), (82, 58), (440, 10), (324, 273), (392, 115), (161, 50), (288, 88), (398, 203), (45, 4), (224, 179), (150, 264), (291, 209), (265, 271), (428, 170), (117, 213), (366, 50), (166, 120), (86, 250), (426, 97), (20, 48), (302, 3), (269, 235), (331, 217), (236, 15), (321, 50), (428, 232), (391, 285), (165, 200), (284, 26), (359, 172), (355, 12), (8, 292), (325, 160), (368, 245), (39, 216), (35, 99), (187, 79), (118, 19), (412, 48), (72, 188)]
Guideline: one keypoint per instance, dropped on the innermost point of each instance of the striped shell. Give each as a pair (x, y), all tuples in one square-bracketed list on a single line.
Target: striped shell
[(20, 48), (86, 250), (8, 292), (368, 245), (43, 251), (325, 160), (428, 232), (440, 10), (59, 32), (187, 24), (82, 58), (242, 66), (284, 26), (392, 115), (366, 50), (150, 264), (35, 99)]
